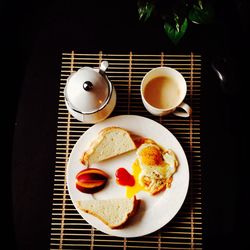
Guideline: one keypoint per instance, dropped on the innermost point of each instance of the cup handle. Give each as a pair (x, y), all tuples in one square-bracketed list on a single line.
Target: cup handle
[(187, 110)]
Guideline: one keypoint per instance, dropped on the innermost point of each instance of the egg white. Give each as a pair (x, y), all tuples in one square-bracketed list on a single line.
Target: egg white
[(171, 162), (157, 173)]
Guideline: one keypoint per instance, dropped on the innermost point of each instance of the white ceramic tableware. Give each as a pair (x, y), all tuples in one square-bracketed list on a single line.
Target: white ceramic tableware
[(155, 211), (163, 90), (89, 95)]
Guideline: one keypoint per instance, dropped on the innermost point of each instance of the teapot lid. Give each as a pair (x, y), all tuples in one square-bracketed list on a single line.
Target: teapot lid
[(88, 89)]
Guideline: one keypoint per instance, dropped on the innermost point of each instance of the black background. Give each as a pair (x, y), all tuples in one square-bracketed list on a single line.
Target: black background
[(35, 33)]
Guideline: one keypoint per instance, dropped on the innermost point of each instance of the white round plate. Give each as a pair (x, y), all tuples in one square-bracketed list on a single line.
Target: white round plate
[(155, 211)]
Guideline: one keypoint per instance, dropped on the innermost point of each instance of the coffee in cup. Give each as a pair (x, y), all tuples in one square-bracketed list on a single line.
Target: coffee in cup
[(163, 90)]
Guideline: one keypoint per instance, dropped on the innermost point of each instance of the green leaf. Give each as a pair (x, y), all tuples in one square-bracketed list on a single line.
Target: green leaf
[(201, 13), (145, 9), (176, 32)]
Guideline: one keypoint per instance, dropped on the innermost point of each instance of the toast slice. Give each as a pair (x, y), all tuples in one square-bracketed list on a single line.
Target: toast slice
[(111, 141), (113, 212)]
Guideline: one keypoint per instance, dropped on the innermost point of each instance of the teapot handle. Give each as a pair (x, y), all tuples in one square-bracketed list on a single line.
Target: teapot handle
[(103, 67)]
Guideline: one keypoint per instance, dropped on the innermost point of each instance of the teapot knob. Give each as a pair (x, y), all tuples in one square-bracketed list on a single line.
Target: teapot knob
[(87, 85), (103, 67)]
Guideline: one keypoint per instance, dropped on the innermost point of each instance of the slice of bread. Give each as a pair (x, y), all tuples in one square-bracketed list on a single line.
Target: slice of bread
[(113, 212), (111, 141)]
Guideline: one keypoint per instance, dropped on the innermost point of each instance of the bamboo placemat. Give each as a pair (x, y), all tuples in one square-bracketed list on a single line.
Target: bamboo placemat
[(184, 231)]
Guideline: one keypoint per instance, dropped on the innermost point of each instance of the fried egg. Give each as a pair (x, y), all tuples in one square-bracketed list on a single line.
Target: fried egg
[(153, 169)]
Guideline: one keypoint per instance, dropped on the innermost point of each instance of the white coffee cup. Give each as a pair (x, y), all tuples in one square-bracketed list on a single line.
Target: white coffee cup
[(163, 90)]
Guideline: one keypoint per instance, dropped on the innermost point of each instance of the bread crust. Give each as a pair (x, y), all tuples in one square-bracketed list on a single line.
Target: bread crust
[(85, 156), (131, 214), (136, 205)]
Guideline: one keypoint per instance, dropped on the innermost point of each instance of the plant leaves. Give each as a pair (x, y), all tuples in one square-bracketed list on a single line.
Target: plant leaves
[(176, 32), (201, 13), (145, 9)]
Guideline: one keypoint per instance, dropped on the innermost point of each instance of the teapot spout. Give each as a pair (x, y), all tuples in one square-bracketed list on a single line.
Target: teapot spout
[(103, 67)]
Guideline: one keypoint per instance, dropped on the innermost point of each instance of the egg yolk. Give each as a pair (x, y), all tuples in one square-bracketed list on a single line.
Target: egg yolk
[(151, 156), (131, 191)]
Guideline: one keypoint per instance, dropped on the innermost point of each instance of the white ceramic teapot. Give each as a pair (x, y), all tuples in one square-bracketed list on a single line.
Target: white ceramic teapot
[(89, 95)]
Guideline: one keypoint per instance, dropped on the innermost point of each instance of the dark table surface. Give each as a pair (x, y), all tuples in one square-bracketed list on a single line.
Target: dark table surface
[(34, 34)]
